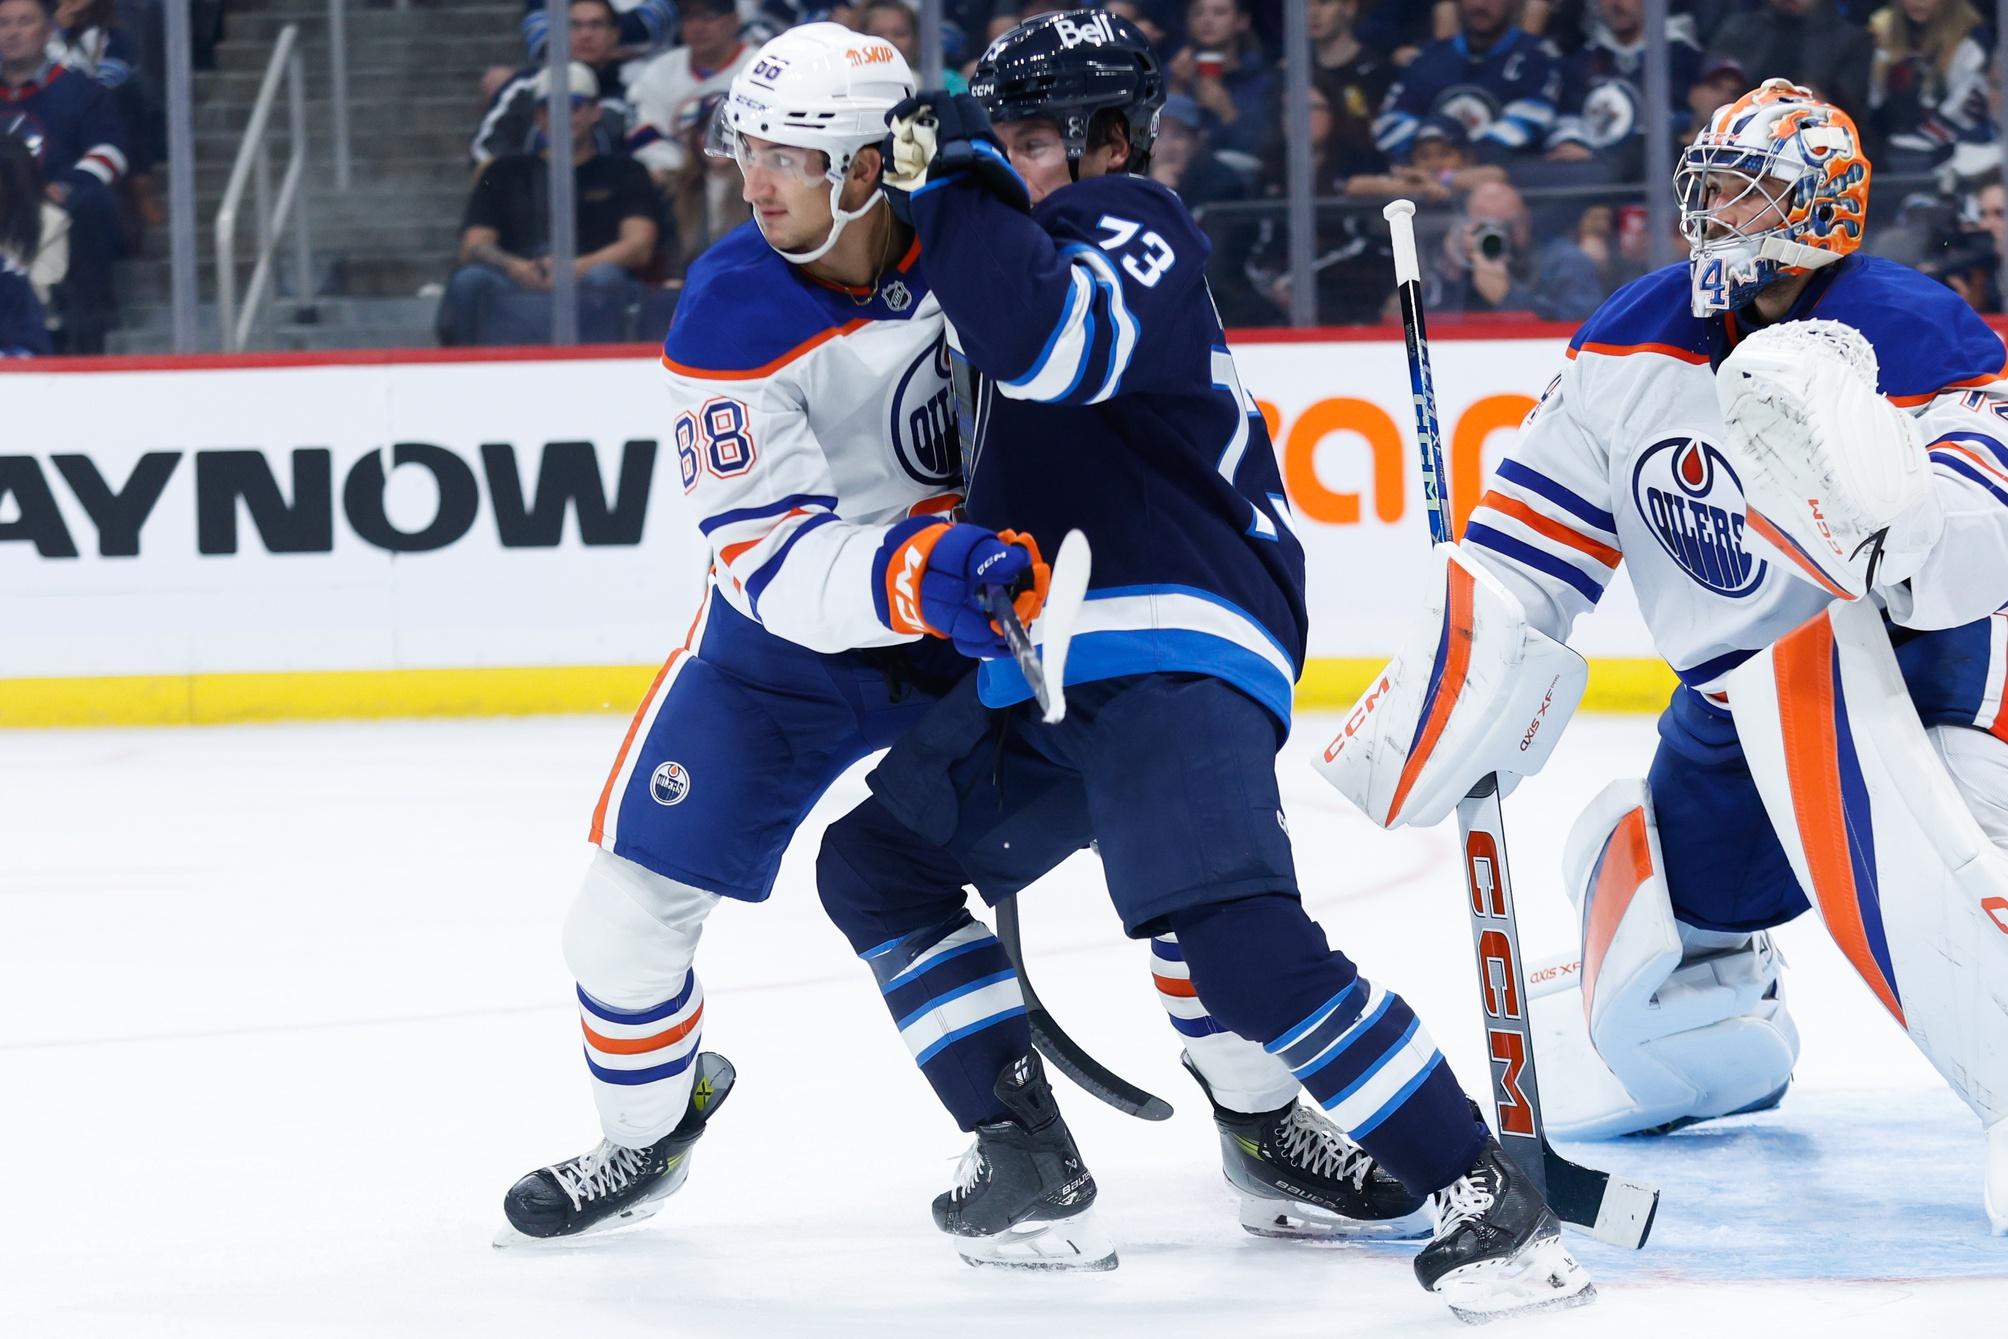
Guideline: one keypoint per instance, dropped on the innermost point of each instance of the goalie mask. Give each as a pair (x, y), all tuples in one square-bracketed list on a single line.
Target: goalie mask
[(1777, 184), (821, 92)]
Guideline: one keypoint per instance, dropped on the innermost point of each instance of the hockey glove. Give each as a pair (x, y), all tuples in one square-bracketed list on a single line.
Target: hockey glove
[(931, 576), (938, 134)]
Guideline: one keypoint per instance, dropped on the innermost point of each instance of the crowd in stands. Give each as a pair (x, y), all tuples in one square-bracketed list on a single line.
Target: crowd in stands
[(1518, 125), (80, 131)]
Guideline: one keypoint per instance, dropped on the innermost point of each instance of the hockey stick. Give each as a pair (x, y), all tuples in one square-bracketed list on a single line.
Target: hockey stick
[(1609, 1209), (1064, 1053), (1068, 589)]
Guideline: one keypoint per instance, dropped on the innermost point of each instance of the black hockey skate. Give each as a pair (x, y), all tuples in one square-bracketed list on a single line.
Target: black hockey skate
[(613, 1186), (1298, 1176), (1022, 1197), (1498, 1250)]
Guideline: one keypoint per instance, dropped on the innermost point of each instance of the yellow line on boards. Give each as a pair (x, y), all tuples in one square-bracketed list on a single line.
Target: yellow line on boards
[(1616, 685)]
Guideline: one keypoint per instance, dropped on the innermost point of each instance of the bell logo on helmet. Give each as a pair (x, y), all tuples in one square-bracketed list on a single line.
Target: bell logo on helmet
[(1097, 31)]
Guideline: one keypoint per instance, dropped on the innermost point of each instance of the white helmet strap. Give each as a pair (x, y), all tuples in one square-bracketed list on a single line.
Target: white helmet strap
[(840, 218)]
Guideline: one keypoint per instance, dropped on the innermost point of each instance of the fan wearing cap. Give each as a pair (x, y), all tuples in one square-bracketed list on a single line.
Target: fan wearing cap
[(504, 242), (1799, 454)]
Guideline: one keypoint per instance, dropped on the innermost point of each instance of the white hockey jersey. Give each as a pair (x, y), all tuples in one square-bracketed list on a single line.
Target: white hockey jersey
[(1621, 459), (808, 420)]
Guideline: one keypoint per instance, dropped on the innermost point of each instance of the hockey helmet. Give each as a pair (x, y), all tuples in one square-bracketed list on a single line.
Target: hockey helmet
[(1065, 67), (1803, 158), (820, 88)]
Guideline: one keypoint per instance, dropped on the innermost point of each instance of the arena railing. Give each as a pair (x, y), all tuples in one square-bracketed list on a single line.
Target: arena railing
[(271, 213)]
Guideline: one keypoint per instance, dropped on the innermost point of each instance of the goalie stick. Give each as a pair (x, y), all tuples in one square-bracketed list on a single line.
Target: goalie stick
[(1609, 1209)]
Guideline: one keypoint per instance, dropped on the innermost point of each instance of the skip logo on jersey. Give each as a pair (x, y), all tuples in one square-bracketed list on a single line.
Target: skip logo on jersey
[(670, 784), (1693, 503)]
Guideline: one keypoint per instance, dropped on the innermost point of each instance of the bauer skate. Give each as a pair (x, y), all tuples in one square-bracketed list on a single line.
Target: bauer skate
[(1298, 1176), (613, 1186), (1022, 1198), (1498, 1250)]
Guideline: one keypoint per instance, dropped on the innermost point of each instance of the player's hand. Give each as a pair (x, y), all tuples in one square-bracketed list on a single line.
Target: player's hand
[(939, 134), (935, 578)]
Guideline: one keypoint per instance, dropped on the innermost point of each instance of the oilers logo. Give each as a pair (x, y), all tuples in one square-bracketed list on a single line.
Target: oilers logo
[(670, 784), (925, 435), (1693, 503)]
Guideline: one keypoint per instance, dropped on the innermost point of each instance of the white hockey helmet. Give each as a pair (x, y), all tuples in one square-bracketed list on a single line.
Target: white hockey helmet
[(820, 87)]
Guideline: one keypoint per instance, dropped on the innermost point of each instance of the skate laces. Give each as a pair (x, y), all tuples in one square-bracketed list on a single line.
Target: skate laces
[(968, 1172), (606, 1170), (1469, 1198), (1315, 1144)]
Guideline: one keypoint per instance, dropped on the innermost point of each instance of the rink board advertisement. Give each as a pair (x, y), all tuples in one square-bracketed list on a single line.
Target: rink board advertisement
[(322, 535)]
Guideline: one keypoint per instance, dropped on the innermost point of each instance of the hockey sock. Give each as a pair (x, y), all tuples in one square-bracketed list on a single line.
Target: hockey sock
[(1239, 1073), (1266, 971), (955, 998), (640, 1061)]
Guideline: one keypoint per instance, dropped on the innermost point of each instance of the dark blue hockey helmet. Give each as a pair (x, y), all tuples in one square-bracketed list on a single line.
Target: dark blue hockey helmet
[(1065, 68)]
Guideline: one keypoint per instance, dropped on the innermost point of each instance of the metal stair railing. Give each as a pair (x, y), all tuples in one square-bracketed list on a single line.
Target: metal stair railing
[(253, 168)]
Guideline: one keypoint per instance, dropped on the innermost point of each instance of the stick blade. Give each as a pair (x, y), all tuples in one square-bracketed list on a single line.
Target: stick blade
[(1063, 1054), (1062, 611), (1609, 1208)]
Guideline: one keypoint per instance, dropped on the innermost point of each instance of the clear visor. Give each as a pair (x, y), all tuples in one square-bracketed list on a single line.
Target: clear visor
[(790, 163), (1728, 196)]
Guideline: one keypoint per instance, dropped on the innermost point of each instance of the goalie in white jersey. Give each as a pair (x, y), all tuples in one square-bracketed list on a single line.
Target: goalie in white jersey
[(816, 438), (1802, 454)]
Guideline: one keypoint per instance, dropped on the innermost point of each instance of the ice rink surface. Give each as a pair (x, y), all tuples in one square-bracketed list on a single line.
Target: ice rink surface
[(282, 1014)]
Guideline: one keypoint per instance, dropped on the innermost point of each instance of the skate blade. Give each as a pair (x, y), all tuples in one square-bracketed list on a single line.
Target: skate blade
[(1542, 1277), (634, 1215), (1294, 1220), (1075, 1244)]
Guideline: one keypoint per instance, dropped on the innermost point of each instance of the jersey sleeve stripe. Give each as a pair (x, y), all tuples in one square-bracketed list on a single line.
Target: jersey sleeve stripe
[(1666, 350), (1539, 560), (1064, 358), (1124, 329), (1974, 439), (732, 551), (1550, 528), (807, 346), (758, 582), (1957, 465), (775, 508), (1946, 452), (1560, 494), (1969, 383)]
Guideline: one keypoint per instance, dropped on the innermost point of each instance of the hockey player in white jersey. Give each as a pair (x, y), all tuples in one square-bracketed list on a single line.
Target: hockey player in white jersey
[(813, 420), (1802, 453)]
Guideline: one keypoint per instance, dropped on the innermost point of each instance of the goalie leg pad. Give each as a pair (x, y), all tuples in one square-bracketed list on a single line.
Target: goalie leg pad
[(1664, 1024), (629, 942)]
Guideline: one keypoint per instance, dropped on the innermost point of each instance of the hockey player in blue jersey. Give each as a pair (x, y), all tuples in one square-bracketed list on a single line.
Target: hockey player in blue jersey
[(812, 418), (1104, 398)]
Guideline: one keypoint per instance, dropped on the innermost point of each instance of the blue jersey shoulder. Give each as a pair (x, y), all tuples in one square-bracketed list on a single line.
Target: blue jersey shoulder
[(743, 308), (1653, 309), (1926, 338), (1098, 209)]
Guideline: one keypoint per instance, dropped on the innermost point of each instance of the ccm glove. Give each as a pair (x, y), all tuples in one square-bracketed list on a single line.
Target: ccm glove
[(939, 134), (931, 576)]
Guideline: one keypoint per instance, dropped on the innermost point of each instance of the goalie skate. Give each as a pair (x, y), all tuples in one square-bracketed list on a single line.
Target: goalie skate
[(612, 1186), (1298, 1176), (1498, 1250), (1022, 1197)]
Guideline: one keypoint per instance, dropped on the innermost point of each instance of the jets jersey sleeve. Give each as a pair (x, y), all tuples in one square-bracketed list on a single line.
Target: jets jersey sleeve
[(1072, 297), (1545, 526)]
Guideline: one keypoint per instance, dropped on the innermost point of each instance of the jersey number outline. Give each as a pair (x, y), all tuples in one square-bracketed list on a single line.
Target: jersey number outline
[(714, 437), (1228, 378), (1157, 253)]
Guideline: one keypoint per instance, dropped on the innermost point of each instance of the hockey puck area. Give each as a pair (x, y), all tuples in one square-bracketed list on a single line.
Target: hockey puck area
[(283, 1013)]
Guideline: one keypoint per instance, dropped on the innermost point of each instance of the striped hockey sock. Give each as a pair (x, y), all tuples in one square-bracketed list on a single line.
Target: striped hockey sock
[(640, 1061), (956, 1001), (1241, 1075)]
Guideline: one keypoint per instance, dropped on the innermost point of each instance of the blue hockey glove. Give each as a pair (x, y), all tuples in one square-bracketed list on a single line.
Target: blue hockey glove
[(939, 134), (931, 576)]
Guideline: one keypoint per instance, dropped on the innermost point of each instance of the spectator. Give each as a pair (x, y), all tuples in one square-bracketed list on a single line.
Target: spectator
[(1603, 87), (510, 125), (1987, 210), (1355, 79), (1720, 83), (675, 97), (1965, 260), (68, 120), (1224, 71), (91, 39), (1182, 159), (1928, 84), (1501, 82), (505, 243), (1146, 20), (1402, 28), (896, 22), (24, 331), (643, 27), (1801, 41), (1486, 261), (1439, 169)]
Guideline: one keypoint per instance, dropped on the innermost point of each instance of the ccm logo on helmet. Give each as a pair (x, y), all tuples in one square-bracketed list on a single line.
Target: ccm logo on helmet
[(1356, 720)]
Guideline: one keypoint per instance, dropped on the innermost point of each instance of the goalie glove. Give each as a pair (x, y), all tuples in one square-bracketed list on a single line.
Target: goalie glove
[(937, 135), (1835, 477)]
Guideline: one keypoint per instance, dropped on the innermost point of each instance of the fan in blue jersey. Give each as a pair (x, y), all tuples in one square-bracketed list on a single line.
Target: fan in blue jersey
[(1502, 82), (1103, 397)]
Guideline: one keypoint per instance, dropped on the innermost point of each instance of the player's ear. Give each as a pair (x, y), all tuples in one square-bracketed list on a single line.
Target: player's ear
[(867, 164)]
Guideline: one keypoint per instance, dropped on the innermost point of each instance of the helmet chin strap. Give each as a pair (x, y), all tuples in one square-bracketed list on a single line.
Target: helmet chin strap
[(840, 218)]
